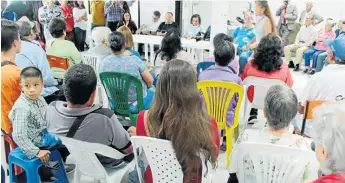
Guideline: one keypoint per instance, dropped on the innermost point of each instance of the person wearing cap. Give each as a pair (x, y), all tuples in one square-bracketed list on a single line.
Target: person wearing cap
[(322, 58), (320, 47), (303, 42), (326, 85), (32, 54), (100, 37)]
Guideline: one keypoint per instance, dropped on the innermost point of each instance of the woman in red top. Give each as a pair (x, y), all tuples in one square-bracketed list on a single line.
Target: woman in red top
[(67, 11), (177, 115), (267, 63)]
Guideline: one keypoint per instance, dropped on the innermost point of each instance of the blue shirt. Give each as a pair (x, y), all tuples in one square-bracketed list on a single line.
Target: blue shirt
[(113, 12), (135, 53), (128, 64), (243, 36), (32, 54), (191, 30)]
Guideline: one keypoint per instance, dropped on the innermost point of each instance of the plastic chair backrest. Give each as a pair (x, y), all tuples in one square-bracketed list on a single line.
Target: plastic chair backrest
[(310, 106), (57, 62), (162, 160), (273, 163), (93, 60), (116, 85), (85, 156), (261, 87), (203, 66), (218, 95)]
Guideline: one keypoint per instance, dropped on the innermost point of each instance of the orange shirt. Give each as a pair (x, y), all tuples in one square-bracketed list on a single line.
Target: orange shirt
[(10, 91)]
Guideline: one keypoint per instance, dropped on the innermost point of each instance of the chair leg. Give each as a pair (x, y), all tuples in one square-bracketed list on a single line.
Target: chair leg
[(229, 135), (12, 175)]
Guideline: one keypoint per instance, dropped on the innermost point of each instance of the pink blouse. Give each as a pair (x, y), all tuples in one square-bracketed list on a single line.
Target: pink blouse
[(324, 35)]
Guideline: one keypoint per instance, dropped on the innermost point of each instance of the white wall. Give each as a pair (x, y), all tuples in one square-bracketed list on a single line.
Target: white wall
[(147, 7)]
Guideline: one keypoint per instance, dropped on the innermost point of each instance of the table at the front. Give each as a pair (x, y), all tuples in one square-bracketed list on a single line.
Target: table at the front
[(190, 44)]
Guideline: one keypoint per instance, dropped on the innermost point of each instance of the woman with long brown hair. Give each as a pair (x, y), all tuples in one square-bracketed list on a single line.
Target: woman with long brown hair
[(264, 23), (177, 115)]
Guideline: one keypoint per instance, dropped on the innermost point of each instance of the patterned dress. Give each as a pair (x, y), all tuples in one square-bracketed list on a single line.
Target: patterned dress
[(45, 14)]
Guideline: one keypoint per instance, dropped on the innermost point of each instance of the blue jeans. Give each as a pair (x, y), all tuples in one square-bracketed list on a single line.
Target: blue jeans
[(312, 54), (244, 56), (321, 61)]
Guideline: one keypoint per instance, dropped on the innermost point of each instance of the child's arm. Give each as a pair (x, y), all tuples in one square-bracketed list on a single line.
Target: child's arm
[(20, 132)]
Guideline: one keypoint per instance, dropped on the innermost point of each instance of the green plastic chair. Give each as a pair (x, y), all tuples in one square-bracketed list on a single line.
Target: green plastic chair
[(116, 85)]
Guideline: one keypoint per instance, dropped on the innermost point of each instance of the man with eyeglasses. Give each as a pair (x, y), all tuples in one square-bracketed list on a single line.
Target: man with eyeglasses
[(327, 85)]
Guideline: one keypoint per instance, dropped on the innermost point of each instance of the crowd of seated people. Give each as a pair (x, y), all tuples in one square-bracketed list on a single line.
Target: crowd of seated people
[(174, 106)]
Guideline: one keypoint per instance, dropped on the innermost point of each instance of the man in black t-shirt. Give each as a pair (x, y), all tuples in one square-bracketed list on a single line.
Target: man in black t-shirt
[(168, 24)]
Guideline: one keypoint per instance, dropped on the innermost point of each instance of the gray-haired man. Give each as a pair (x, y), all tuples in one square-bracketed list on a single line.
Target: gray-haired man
[(308, 11)]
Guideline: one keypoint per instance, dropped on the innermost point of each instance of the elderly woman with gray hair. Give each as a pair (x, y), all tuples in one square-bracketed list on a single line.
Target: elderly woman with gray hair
[(281, 107), (329, 137), (100, 36)]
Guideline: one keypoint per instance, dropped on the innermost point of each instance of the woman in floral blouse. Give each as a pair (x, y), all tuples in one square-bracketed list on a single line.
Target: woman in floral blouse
[(46, 13), (281, 107)]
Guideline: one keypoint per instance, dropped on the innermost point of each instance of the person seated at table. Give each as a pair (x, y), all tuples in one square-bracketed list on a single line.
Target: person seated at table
[(171, 48), (267, 63), (60, 47), (119, 61), (219, 38), (174, 114), (303, 42), (151, 29), (322, 58), (194, 29), (320, 47), (281, 106), (128, 22), (329, 135), (100, 37), (326, 85), (169, 23), (129, 41), (243, 36), (224, 53)]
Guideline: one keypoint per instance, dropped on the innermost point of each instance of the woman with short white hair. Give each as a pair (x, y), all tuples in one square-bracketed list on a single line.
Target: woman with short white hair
[(329, 138), (100, 36)]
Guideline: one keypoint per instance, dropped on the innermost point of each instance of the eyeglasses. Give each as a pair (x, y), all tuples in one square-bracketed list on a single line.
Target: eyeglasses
[(339, 98)]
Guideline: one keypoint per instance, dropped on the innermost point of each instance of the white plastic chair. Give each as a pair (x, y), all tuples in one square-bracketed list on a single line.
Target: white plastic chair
[(101, 96), (273, 163), (94, 60), (261, 86), (87, 164), (162, 160)]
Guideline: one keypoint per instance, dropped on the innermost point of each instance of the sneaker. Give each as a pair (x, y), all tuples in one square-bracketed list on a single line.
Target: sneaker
[(252, 119), (296, 68), (291, 64), (312, 72), (306, 71), (223, 147)]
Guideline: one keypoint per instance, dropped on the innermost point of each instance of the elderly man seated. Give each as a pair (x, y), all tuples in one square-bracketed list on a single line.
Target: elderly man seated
[(304, 40), (32, 54), (327, 85), (281, 107), (100, 36), (329, 135)]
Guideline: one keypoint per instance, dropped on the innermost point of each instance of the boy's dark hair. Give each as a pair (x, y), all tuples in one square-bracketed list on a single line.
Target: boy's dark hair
[(31, 72), (224, 52), (157, 14), (9, 33), (79, 83), (116, 41), (57, 27)]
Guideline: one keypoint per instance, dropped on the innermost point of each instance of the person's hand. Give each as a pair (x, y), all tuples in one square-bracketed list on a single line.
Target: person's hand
[(132, 131), (253, 46), (43, 155), (286, 16), (159, 34), (70, 16), (245, 48)]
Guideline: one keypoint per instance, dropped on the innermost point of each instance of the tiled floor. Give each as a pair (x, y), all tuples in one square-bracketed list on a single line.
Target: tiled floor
[(221, 174)]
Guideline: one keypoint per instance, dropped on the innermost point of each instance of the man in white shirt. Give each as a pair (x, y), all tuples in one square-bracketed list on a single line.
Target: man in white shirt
[(327, 85), (304, 40), (152, 28), (317, 18)]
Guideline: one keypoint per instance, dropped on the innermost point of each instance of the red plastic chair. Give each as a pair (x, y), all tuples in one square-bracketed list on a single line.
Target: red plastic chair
[(10, 144)]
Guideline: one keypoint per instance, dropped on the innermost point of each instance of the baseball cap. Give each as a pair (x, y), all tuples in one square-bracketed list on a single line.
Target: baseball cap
[(26, 19), (337, 46)]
